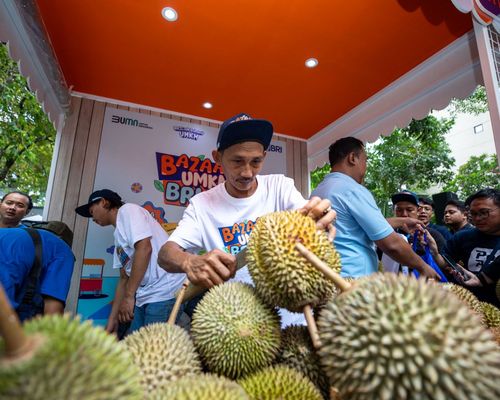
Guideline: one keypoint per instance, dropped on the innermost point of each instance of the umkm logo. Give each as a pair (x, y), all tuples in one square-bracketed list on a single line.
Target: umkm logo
[(188, 133)]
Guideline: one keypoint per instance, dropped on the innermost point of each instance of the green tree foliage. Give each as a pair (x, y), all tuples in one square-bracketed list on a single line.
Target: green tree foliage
[(318, 174), (416, 158), (475, 104), (477, 173), (26, 135)]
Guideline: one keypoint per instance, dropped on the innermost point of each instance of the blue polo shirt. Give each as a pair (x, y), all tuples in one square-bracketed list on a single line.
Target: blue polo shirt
[(359, 223), (17, 253)]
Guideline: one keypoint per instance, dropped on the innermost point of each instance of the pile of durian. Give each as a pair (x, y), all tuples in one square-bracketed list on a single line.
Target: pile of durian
[(382, 337)]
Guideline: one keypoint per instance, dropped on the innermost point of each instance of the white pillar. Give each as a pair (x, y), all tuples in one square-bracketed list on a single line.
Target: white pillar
[(490, 75)]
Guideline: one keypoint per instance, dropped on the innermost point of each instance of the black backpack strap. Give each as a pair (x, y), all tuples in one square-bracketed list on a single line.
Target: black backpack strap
[(34, 275)]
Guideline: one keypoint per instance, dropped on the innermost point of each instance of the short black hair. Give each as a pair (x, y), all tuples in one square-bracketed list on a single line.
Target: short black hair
[(30, 200), (460, 205), (488, 193), (343, 147), (426, 200)]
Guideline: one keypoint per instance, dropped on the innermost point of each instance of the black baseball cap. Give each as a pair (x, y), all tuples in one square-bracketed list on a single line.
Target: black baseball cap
[(107, 194), (243, 128), (405, 195)]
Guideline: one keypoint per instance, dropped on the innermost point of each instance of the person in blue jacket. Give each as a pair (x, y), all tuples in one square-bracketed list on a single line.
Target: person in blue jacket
[(17, 258)]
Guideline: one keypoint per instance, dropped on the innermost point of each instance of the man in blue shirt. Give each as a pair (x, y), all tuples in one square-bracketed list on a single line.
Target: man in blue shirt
[(360, 224), (17, 255)]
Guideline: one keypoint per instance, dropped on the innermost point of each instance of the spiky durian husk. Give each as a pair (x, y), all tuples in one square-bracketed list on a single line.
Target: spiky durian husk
[(234, 332), (76, 361), (464, 295), (319, 307), (163, 353), (491, 315), (282, 277), (201, 387), (395, 337), (297, 352), (279, 382)]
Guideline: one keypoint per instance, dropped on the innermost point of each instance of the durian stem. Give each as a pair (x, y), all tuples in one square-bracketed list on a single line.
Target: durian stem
[(16, 342), (178, 301), (340, 282), (311, 326)]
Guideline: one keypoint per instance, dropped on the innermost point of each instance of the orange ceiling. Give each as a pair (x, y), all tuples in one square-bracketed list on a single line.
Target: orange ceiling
[(247, 55)]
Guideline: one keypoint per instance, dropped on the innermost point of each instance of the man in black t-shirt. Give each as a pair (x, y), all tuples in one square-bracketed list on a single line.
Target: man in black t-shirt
[(476, 248)]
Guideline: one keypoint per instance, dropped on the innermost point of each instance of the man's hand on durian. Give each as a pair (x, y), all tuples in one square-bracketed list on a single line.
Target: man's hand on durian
[(210, 269), (321, 211)]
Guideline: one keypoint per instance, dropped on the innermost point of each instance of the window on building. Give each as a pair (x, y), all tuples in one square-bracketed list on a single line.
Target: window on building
[(478, 128)]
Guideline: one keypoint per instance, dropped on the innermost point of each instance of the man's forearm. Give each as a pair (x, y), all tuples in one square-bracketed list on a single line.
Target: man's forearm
[(172, 257), (140, 263), (399, 250), (406, 256)]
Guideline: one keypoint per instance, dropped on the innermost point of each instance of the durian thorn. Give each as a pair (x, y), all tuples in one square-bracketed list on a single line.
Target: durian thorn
[(311, 326), (178, 302), (18, 346), (321, 266), (334, 393)]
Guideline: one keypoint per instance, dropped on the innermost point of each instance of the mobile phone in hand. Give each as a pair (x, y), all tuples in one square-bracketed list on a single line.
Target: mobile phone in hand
[(455, 267)]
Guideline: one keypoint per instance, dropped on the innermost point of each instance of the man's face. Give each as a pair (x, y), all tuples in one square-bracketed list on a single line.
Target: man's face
[(405, 209), (13, 208), (453, 216), (99, 213), (485, 216), (424, 213), (241, 163)]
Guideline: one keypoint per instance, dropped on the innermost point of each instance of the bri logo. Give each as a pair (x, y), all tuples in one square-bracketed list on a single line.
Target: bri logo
[(275, 148), (116, 119), (188, 133)]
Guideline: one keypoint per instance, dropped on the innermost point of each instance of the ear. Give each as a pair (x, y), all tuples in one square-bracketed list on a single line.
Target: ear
[(105, 204), (217, 156), (352, 158)]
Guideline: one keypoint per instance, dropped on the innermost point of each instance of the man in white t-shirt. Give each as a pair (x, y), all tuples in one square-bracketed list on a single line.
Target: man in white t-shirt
[(145, 292), (220, 220)]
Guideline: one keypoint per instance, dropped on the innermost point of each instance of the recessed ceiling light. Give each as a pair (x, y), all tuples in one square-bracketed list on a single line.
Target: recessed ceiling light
[(207, 105), (169, 14), (311, 63)]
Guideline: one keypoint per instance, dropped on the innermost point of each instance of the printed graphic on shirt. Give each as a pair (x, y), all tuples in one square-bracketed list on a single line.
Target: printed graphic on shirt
[(477, 258), (122, 256), (180, 177), (235, 237)]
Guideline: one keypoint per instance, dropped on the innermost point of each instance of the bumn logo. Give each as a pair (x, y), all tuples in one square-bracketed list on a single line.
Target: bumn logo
[(116, 119)]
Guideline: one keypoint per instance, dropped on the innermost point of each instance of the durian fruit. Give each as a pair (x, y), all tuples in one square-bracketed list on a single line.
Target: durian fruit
[(491, 317), (465, 295), (75, 361), (396, 337), (201, 387), (297, 352), (282, 277), (163, 353), (279, 382), (234, 332)]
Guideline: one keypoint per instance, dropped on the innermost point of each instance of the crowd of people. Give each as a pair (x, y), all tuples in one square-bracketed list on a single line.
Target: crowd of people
[(153, 266)]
